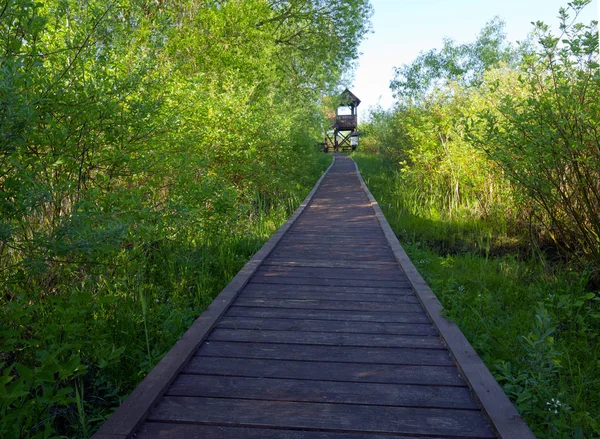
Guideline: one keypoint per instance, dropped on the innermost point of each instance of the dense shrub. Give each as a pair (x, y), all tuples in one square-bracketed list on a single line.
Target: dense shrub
[(147, 149)]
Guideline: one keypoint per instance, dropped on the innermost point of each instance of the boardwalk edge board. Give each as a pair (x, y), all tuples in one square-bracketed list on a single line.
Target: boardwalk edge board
[(133, 411), (503, 416)]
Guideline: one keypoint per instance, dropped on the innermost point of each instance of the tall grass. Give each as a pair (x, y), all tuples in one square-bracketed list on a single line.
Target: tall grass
[(534, 323)]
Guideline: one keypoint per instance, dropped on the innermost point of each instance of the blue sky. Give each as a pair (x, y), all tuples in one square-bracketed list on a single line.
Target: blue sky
[(403, 28)]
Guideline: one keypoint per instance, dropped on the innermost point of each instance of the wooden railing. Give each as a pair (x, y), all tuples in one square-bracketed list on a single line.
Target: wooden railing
[(346, 121)]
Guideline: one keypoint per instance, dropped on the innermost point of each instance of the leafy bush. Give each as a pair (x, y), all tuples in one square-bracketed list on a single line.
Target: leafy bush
[(545, 138), (535, 325), (146, 152), (485, 130)]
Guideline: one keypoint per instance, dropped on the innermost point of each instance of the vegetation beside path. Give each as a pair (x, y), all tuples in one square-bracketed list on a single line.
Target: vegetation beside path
[(488, 169), (534, 323), (147, 150)]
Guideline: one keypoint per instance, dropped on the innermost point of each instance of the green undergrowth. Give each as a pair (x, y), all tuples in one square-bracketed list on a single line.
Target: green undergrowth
[(78, 336), (534, 323)]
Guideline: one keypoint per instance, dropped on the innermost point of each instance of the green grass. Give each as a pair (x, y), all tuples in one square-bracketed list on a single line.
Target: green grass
[(535, 324)]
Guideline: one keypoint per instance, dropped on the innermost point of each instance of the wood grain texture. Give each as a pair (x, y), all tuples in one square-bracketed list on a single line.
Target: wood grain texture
[(327, 338), (319, 314), (321, 370), (322, 416), (349, 354), (343, 289), (333, 305), (329, 326), (333, 392), (291, 293), (157, 430)]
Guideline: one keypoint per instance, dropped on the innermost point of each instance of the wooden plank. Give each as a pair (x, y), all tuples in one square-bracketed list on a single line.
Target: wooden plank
[(306, 325), (339, 235), (331, 235), (330, 282), (349, 354), (130, 414), (344, 220), (323, 251), (277, 389), (305, 228), (327, 338), (307, 295), (319, 314), (327, 371), (332, 273), (159, 430), (334, 249), (327, 263), (328, 255), (337, 417), (383, 270), (504, 417), (401, 291), (302, 274), (309, 238), (334, 305)]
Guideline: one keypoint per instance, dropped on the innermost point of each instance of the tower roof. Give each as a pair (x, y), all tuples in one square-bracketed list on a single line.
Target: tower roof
[(349, 98)]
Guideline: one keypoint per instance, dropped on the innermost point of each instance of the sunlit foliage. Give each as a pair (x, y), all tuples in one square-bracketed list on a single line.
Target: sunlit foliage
[(146, 150), (489, 170)]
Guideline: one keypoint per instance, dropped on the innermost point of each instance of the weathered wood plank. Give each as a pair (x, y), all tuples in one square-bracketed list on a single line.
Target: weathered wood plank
[(334, 305), (158, 430), (327, 263), (277, 389), (340, 290), (352, 297), (327, 338), (305, 325), (336, 237), (363, 278), (350, 316), (350, 354), (327, 255), (327, 371), (326, 227), (382, 273), (349, 246), (373, 250), (306, 238), (330, 282), (324, 252), (340, 417)]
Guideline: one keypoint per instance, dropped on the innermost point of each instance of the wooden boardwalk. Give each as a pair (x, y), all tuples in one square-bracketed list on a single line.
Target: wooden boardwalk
[(327, 333)]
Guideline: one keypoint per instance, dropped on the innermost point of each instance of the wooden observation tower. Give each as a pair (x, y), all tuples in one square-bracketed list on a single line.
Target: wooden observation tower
[(343, 133)]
